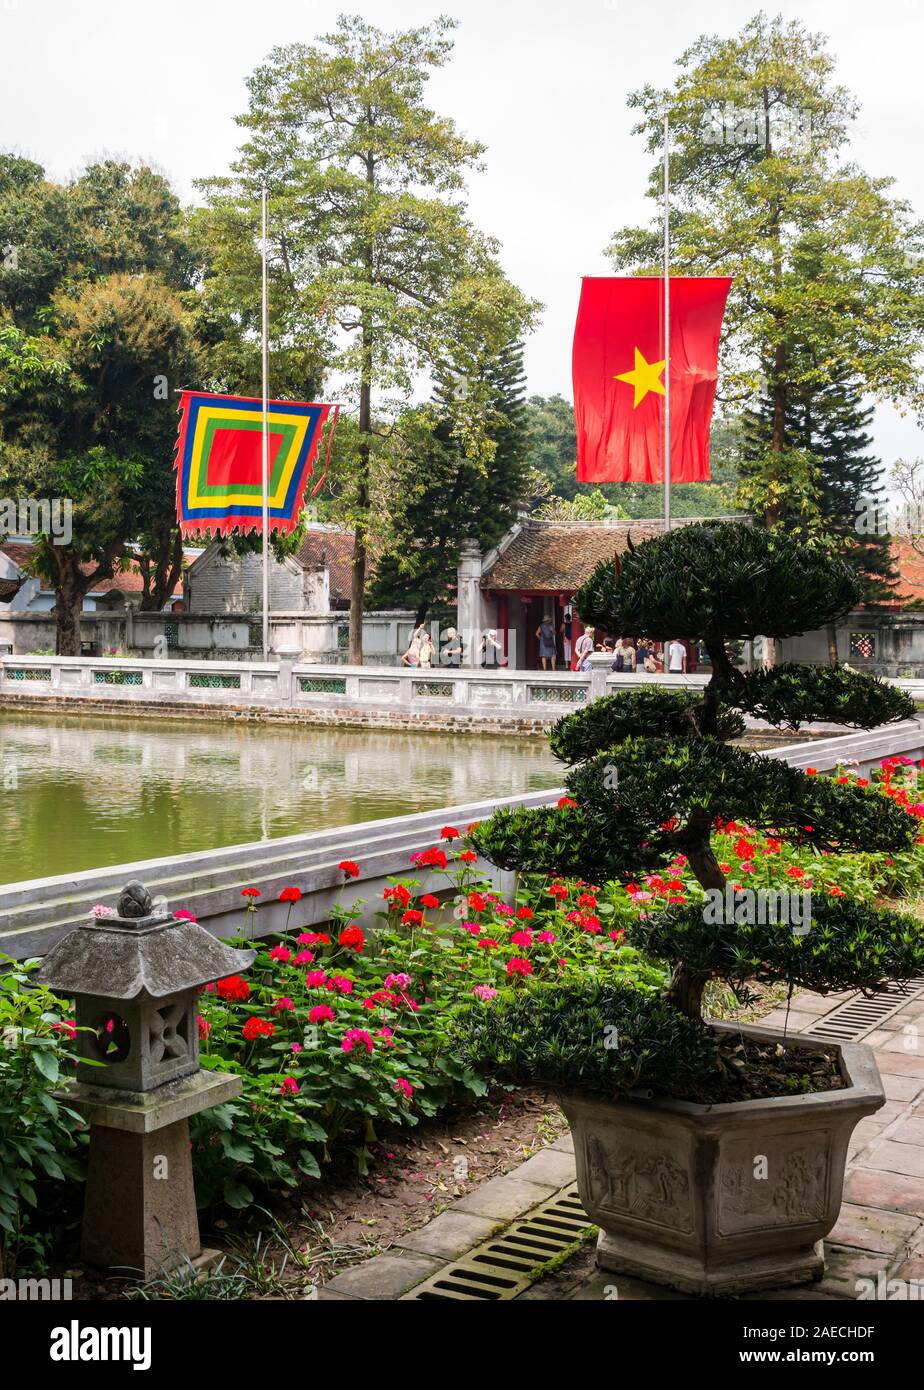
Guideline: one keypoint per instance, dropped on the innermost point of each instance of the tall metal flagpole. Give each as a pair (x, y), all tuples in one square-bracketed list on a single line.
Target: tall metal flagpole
[(667, 329), (265, 322)]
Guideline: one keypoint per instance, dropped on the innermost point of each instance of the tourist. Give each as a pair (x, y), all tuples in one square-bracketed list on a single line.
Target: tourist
[(412, 655), (548, 651), (566, 629), (582, 650), (451, 655), (492, 653), (628, 655), (676, 657), (426, 649)]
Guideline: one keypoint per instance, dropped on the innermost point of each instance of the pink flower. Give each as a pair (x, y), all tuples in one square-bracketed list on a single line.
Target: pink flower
[(344, 985), (397, 981), (641, 897), (473, 928), (281, 953), (521, 938), (315, 979), (321, 1013), (355, 1037), (547, 937), (289, 1086), (187, 916), (303, 958), (404, 1088), (296, 1047), (386, 1035), (282, 1006), (484, 992), (100, 910)]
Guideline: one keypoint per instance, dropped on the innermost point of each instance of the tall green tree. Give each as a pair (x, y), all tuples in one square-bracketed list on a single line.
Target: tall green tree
[(826, 267), (367, 183), (436, 496), (94, 336), (828, 424)]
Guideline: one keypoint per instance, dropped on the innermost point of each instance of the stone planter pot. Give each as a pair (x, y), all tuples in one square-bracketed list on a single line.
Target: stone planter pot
[(720, 1199)]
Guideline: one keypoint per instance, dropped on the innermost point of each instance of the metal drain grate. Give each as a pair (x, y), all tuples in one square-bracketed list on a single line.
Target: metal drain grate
[(851, 1021), (509, 1262)]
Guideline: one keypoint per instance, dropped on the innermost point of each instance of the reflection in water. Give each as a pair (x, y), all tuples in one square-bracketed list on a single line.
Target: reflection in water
[(100, 790)]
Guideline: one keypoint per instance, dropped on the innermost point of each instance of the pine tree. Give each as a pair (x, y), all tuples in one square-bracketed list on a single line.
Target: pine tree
[(826, 427), (438, 497)]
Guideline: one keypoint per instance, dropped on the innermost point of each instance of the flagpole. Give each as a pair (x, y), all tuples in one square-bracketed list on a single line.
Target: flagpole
[(265, 488), (667, 329)]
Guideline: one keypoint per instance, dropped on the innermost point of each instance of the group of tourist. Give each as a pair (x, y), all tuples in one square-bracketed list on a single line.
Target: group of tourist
[(628, 654), (421, 651)]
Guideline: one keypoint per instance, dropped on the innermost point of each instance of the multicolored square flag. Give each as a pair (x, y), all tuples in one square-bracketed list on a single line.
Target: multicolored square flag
[(219, 461), (618, 365)]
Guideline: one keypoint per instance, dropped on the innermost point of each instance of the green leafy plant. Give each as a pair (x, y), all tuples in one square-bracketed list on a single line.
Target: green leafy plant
[(39, 1136)]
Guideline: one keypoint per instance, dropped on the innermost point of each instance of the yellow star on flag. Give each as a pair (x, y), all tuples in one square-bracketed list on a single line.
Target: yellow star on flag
[(644, 377)]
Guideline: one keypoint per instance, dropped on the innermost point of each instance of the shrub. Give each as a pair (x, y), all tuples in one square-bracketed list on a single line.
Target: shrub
[(39, 1141)]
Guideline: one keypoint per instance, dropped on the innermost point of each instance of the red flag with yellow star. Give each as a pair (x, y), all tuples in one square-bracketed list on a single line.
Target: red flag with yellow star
[(618, 366)]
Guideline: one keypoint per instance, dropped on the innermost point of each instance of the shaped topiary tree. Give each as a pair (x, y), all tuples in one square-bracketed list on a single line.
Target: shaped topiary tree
[(652, 771)]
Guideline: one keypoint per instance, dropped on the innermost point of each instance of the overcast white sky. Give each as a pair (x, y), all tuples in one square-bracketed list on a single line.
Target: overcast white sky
[(542, 83)]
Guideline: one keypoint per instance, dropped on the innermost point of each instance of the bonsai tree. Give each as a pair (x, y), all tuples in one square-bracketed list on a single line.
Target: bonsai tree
[(652, 772)]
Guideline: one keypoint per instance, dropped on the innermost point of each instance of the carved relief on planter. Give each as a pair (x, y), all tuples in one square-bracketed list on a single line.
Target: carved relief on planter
[(794, 1188), (640, 1178)]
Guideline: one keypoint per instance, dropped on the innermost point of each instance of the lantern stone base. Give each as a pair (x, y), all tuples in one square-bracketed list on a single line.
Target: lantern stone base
[(140, 1205)]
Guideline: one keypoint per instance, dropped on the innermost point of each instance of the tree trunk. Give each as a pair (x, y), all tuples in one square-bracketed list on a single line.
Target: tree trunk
[(68, 605), (832, 645), (685, 992), (687, 987)]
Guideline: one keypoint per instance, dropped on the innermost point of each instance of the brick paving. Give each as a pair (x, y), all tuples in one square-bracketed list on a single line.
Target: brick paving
[(880, 1229)]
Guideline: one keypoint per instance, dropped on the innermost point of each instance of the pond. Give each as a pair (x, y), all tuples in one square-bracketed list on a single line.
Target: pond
[(86, 792)]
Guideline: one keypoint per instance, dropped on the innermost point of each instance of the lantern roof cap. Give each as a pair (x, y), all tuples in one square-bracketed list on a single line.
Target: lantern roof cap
[(141, 952)]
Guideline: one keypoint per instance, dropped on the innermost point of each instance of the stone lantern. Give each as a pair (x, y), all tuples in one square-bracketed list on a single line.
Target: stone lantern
[(135, 979)]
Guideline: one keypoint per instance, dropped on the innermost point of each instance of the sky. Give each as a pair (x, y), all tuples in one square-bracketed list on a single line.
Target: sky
[(542, 84)]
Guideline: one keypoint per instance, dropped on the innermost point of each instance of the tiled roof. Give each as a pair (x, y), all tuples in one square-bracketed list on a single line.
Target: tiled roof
[(910, 566), (124, 581), (331, 549), (558, 556)]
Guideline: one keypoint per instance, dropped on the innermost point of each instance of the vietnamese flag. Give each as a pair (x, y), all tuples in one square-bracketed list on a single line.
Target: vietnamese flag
[(618, 365)]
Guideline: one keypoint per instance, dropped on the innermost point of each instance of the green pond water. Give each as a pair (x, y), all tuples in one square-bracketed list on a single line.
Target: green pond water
[(82, 793)]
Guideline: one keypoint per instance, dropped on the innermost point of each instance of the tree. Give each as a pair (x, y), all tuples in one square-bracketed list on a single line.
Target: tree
[(436, 496), (825, 261), (652, 772), (827, 423), (94, 334), (367, 182)]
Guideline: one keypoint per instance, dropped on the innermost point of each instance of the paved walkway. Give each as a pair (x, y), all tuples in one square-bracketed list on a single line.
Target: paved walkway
[(880, 1230)]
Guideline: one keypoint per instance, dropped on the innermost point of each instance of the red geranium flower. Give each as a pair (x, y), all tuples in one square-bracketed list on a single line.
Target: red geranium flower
[(321, 1013), (398, 896), (558, 890), (429, 900), (468, 856), (435, 858), (351, 937), (349, 868), (524, 913), (232, 987), (412, 918), (565, 801), (518, 966), (449, 832), (476, 902), (290, 895), (257, 1028), (250, 892)]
